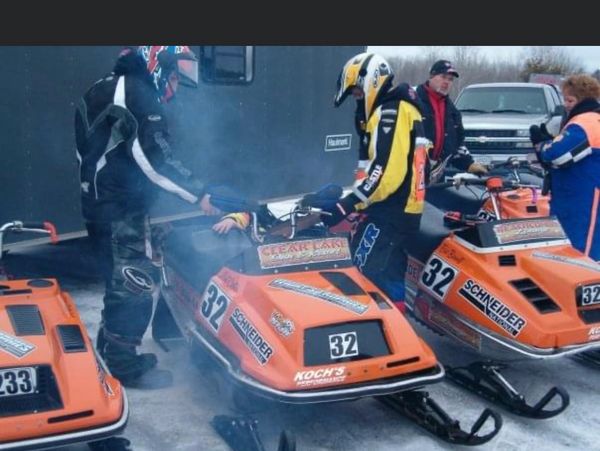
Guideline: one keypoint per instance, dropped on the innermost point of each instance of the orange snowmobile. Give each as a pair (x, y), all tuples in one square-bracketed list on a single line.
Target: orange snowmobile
[(507, 289), (514, 200), (54, 389), (511, 195), (287, 317)]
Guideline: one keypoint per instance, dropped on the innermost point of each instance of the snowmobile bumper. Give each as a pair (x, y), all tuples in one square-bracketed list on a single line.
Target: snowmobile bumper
[(329, 394), (87, 435), (493, 346)]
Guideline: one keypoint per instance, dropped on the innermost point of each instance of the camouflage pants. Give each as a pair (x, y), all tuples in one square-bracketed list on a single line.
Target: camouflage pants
[(123, 251)]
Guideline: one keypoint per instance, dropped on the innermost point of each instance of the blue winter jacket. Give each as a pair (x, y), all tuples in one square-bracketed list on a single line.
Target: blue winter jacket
[(574, 157)]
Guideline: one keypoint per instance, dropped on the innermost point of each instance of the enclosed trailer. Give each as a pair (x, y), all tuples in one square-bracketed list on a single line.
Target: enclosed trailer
[(262, 121)]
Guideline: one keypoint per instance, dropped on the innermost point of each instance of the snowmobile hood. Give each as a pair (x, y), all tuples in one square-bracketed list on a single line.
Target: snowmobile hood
[(60, 383)]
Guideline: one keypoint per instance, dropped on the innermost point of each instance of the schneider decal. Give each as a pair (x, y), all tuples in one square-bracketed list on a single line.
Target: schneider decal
[(320, 377), (492, 307), (342, 301), (15, 346), (253, 340)]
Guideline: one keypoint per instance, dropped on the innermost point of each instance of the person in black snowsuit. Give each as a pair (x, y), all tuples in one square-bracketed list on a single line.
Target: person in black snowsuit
[(125, 159)]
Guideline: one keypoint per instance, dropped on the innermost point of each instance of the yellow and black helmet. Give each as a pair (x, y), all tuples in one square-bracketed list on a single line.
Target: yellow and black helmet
[(368, 71)]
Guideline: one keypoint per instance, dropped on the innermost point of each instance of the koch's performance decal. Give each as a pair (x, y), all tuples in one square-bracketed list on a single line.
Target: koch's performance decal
[(531, 229), (303, 252), (214, 305), (337, 142), (253, 340), (492, 307), (14, 346), (321, 376), (342, 301), (437, 276), (283, 326), (567, 260)]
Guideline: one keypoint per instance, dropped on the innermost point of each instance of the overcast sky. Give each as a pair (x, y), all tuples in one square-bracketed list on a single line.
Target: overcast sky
[(588, 56)]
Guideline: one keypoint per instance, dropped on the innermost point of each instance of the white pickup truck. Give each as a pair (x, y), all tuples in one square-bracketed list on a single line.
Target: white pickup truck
[(497, 117)]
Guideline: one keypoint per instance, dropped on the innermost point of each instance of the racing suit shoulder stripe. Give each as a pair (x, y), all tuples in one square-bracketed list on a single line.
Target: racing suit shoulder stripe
[(156, 178), (119, 98), (592, 226), (560, 151)]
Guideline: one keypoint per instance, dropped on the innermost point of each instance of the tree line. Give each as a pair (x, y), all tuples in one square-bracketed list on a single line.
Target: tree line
[(475, 67)]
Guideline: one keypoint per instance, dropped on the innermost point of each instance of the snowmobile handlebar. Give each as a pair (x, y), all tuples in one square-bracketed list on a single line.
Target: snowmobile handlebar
[(33, 227), (492, 183), (517, 165)]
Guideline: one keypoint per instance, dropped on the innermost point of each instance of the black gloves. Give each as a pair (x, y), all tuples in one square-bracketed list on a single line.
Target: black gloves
[(539, 133), (336, 214)]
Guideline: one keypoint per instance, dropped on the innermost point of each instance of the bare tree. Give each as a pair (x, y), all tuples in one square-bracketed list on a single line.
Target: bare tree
[(548, 60), (474, 67)]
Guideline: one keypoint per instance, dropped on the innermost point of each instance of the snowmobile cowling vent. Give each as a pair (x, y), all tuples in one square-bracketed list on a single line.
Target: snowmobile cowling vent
[(534, 294), (507, 260), (25, 319), (342, 282), (71, 338), (381, 302)]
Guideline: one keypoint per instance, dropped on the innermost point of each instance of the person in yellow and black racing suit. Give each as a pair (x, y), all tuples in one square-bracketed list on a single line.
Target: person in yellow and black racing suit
[(392, 193)]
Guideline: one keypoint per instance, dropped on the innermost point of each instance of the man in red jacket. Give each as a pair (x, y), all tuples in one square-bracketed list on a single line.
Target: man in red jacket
[(443, 123)]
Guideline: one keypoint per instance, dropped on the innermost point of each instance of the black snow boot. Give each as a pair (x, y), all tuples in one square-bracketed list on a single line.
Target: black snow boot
[(133, 370), (150, 358)]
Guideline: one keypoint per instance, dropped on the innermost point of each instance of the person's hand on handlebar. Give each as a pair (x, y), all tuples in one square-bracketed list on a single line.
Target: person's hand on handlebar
[(477, 169), (333, 215)]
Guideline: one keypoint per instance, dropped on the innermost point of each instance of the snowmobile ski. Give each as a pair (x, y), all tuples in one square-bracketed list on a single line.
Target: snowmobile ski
[(424, 411), (486, 380), (241, 434)]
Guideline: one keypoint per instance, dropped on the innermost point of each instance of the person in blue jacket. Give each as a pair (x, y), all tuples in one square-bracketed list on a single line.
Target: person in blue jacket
[(573, 160)]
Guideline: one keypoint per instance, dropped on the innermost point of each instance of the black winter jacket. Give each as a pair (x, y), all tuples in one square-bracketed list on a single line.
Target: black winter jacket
[(453, 129), (121, 136)]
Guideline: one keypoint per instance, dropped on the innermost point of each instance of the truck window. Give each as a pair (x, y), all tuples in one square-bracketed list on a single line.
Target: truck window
[(555, 95), (227, 64), (501, 99)]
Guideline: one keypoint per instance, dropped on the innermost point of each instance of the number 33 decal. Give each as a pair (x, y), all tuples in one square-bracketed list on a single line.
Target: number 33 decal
[(437, 276)]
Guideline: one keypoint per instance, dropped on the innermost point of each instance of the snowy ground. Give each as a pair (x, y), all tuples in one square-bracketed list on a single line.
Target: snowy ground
[(178, 418)]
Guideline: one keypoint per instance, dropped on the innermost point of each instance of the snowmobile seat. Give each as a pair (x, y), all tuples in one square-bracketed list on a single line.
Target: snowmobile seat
[(431, 233), (197, 252)]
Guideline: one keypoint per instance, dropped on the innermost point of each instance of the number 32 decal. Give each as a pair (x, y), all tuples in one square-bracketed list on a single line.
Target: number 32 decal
[(214, 305), (437, 276)]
